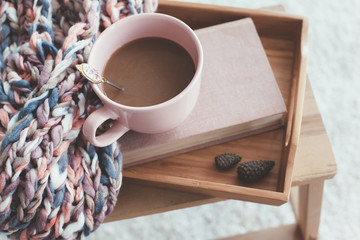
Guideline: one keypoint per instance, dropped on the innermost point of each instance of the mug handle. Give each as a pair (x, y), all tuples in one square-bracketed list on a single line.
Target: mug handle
[(92, 123)]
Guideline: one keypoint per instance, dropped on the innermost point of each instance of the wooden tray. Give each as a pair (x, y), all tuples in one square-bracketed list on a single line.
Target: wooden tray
[(284, 38)]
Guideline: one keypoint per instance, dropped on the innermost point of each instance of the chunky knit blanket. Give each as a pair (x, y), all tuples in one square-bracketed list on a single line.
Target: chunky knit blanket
[(53, 183)]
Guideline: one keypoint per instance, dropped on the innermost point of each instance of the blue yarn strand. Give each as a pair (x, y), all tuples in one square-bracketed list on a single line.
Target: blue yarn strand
[(131, 7), (3, 96), (105, 161), (63, 162), (15, 134), (46, 6), (46, 48), (22, 84), (30, 107), (59, 197), (104, 179), (54, 97), (99, 201)]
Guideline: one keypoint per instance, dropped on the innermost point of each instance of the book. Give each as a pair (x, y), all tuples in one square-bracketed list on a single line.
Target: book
[(239, 97)]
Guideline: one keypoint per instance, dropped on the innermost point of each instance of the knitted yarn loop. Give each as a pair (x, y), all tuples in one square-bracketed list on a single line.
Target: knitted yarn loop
[(53, 183)]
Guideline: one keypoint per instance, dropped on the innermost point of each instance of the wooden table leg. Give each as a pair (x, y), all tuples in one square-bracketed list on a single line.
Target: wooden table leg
[(306, 201)]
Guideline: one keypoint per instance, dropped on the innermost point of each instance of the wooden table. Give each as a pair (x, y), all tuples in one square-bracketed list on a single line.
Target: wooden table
[(314, 163)]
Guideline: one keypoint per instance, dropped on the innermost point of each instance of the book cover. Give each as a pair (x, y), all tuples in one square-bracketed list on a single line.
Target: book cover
[(239, 96)]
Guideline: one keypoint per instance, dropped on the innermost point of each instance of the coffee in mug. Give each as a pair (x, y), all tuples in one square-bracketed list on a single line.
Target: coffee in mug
[(152, 70)]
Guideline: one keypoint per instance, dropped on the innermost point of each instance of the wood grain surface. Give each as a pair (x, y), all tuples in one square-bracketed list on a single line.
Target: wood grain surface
[(195, 171), (314, 160)]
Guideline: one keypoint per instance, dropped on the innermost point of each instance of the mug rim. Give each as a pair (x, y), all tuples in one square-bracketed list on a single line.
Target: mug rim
[(195, 78)]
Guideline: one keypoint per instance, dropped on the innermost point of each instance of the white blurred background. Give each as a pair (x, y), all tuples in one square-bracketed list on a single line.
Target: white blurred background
[(334, 70)]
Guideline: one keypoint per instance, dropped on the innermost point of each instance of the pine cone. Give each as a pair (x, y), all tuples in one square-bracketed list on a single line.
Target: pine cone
[(226, 160), (254, 170)]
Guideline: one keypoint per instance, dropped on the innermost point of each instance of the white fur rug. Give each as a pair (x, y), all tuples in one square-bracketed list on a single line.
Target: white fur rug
[(334, 70)]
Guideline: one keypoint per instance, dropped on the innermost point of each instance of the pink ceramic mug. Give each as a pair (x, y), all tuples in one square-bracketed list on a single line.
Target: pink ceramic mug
[(151, 119)]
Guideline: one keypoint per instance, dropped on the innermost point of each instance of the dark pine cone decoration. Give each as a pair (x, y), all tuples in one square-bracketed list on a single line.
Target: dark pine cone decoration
[(254, 170), (226, 160)]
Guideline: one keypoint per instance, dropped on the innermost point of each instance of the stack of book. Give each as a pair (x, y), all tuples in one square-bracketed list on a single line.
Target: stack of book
[(239, 96)]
